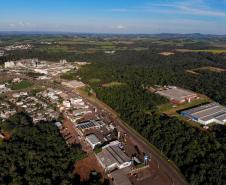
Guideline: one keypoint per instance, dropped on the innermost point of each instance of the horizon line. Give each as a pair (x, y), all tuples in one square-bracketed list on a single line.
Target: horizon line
[(103, 33)]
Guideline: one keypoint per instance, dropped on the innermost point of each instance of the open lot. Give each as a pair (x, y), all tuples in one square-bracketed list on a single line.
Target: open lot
[(207, 68), (87, 165), (113, 84), (171, 109)]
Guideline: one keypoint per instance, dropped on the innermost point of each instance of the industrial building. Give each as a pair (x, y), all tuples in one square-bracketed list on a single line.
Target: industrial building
[(112, 157), (93, 140), (177, 95), (2, 53), (206, 114), (91, 124)]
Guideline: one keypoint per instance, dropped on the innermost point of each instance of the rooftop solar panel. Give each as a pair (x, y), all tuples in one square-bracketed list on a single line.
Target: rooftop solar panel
[(203, 107), (208, 112), (213, 116), (222, 117)]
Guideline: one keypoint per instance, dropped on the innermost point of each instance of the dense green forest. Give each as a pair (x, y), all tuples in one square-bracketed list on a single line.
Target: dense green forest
[(201, 156), (37, 154)]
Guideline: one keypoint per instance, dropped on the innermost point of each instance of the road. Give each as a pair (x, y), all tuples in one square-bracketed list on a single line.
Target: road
[(167, 167)]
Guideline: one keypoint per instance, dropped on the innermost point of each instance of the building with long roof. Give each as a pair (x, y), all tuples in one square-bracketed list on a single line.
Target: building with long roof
[(206, 114), (177, 95), (112, 157)]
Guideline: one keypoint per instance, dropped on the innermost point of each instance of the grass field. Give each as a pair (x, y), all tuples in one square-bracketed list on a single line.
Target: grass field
[(214, 51), (207, 68), (95, 80), (21, 85), (113, 84), (171, 109)]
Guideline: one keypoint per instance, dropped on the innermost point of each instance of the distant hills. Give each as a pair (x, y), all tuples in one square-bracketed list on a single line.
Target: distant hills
[(158, 35)]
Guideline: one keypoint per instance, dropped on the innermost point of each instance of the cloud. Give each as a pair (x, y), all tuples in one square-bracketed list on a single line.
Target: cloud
[(122, 10), (21, 24), (193, 7), (189, 7), (204, 12), (12, 25), (120, 27)]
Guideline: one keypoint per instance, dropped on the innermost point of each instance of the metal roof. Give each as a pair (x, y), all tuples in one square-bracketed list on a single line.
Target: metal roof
[(93, 139), (176, 93), (208, 112), (112, 155)]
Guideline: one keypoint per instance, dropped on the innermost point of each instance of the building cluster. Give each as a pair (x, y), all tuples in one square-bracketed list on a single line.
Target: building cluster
[(83, 123), (45, 69), (4, 88), (110, 52), (2, 52), (96, 132), (73, 108), (54, 69), (36, 108), (6, 110), (92, 131), (73, 84), (175, 94), (23, 63), (112, 157), (18, 47), (206, 114)]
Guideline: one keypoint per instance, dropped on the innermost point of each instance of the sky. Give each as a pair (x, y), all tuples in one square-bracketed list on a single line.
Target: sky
[(114, 16)]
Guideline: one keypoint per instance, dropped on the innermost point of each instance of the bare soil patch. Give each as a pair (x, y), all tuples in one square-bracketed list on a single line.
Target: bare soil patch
[(85, 166), (166, 53), (207, 68)]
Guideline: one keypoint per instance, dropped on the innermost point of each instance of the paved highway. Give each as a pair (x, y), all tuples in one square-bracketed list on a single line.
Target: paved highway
[(167, 168), (173, 174)]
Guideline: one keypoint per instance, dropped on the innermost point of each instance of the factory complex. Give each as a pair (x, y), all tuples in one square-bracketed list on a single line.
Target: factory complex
[(177, 95), (206, 114)]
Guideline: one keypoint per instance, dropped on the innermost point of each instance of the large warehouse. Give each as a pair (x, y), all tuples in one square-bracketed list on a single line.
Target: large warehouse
[(206, 114), (177, 95), (112, 157)]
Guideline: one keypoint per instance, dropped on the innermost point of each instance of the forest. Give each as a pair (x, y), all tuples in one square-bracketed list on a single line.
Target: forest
[(200, 155), (37, 154)]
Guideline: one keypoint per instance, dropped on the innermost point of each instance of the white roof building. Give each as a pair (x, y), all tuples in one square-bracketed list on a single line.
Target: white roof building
[(206, 114), (66, 104), (10, 64), (112, 157), (93, 140)]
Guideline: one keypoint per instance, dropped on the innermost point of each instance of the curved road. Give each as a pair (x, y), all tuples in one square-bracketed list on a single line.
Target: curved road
[(167, 167)]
